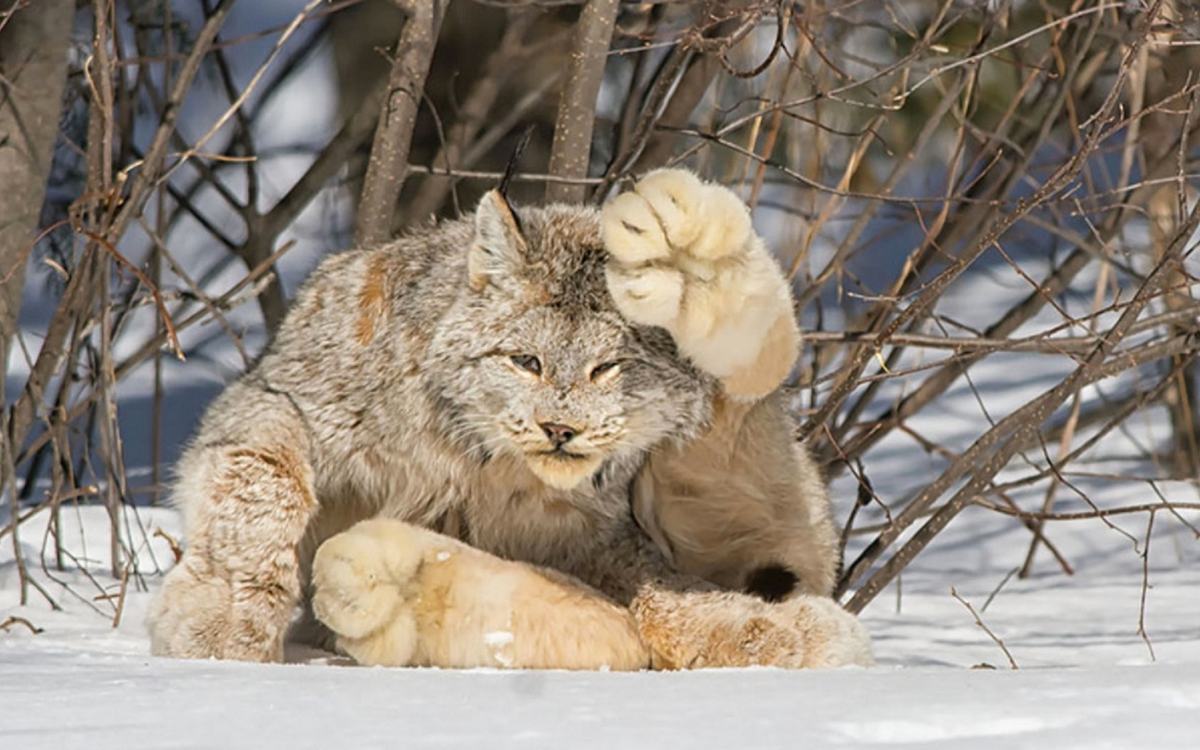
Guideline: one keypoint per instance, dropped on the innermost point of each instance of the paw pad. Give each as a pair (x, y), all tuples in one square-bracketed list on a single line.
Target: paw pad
[(683, 256)]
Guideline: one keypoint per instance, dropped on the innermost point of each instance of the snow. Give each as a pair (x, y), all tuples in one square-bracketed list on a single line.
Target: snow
[(1086, 678), (498, 638), (126, 701)]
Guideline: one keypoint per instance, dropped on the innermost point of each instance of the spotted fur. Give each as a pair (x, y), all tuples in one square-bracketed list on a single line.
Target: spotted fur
[(414, 382)]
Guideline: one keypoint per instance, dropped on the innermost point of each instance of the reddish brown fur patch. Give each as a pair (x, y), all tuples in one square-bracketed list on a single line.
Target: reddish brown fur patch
[(372, 301), (252, 471), (539, 295), (661, 636)]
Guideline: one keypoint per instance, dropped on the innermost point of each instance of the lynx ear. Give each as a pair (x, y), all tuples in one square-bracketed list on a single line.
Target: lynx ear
[(499, 249)]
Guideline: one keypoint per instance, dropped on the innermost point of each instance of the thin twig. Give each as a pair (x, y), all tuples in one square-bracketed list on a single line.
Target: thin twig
[(978, 621), (14, 620)]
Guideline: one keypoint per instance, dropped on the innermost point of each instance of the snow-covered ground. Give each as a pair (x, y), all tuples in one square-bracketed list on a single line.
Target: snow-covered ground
[(1086, 678)]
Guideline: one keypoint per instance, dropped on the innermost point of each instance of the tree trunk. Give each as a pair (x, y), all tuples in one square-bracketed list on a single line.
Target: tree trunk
[(33, 67), (388, 165), (34, 38), (572, 149)]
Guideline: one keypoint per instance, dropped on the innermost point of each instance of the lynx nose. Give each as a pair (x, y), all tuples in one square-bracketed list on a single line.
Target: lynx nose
[(559, 434)]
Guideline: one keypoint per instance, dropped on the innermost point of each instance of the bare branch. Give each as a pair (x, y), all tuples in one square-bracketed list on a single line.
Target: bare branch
[(992, 451), (571, 152), (1007, 654), (388, 166)]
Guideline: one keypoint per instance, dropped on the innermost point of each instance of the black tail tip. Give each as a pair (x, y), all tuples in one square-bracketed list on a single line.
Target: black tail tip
[(771, 583)]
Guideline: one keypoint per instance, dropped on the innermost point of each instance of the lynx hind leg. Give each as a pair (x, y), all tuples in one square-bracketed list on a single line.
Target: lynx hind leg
[(684, 256), (742, 505), (725, 629), (233, 593), (833, 637), (399, 595)]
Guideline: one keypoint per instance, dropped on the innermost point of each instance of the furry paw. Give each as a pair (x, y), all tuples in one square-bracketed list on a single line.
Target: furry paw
[(833, 637), (399, 595), (725, 629), (364, 587), (683, 255), (200, 615)]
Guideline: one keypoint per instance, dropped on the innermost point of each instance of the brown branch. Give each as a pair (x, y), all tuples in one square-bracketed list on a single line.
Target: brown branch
[(197, 292), (74, 305), (504, 124), (653, 111), (1085, 515), (172, 337), (14, 620), (1141, 629), (571, 151), (388, 165), (511, 51), (518, 177), (993, 449), (1011, 661), (1042, 343), (151, 167), (33, 70)]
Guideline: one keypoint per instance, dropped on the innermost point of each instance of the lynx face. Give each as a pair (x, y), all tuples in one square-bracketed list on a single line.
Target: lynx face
[(555, 393), (534, 361)]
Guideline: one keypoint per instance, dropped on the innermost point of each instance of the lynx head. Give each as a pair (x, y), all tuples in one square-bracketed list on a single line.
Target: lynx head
[(533, 359)]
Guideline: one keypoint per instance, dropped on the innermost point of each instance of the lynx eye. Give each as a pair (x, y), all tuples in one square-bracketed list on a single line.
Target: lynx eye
[(601, 369), (528, 363)]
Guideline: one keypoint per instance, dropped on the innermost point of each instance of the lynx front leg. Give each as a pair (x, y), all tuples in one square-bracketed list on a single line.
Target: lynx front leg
[(740, 505), (232, 596), (684, 256), (399, 595)]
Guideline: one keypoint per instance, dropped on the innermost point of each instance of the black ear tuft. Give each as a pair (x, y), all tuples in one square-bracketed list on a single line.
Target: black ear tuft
[(514, 162), (771, 583), (498, 250)]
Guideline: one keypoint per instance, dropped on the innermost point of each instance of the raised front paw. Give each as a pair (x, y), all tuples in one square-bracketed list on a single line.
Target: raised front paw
[(725, 629), (684, 256)]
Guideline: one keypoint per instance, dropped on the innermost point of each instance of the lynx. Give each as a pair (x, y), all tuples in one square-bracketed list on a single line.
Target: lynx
[(545, 437)]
